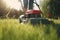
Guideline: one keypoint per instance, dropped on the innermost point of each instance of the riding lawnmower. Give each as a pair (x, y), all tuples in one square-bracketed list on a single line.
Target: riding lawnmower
[(33, 16)]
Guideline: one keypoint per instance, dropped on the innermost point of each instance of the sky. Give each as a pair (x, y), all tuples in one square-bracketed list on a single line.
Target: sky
[(15, 4), (38, 2)]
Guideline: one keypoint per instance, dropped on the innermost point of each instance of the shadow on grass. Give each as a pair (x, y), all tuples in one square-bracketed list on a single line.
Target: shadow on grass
[(48, 23), (57, 27)]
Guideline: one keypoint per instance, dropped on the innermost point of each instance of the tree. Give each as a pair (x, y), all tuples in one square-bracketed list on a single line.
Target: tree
[(54, 8), (44, 4)]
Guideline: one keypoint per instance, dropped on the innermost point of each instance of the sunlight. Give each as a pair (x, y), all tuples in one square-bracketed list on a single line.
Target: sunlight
[(35, 6), (15, 4)]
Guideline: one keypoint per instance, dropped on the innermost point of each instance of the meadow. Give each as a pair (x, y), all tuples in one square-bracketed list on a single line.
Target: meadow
[(11, 29)]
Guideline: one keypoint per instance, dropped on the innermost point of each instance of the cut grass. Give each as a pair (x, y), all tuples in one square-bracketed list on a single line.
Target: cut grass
[(11, 29)]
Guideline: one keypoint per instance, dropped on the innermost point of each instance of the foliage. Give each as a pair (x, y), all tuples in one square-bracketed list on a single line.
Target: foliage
[(52, 7), (44, 7)]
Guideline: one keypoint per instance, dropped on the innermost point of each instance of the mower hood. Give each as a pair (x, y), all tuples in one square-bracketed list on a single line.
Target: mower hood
[(33, 12)]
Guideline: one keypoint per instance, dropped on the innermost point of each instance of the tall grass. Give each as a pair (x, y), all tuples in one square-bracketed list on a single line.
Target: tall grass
[(11, 29)]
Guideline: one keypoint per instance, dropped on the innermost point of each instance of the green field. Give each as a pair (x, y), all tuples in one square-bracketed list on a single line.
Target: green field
[(11, 29)]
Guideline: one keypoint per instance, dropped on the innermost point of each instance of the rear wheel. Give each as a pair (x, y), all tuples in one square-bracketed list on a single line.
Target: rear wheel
[(20, 18), (20, 21)]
